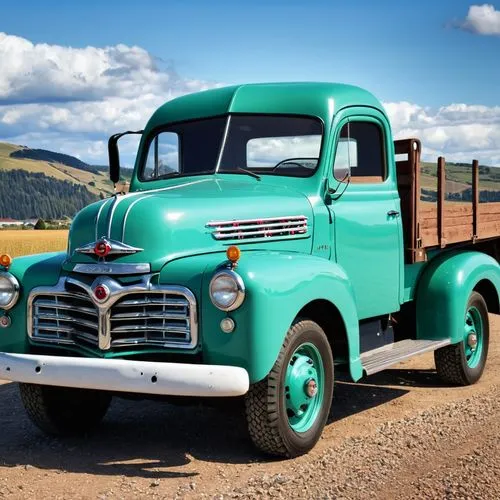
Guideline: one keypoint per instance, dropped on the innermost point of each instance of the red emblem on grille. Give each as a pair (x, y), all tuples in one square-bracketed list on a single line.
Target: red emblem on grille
[(101, 292), (102, 248)]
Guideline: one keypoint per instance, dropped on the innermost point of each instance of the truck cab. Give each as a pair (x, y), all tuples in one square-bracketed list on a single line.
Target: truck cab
[(269, 235)]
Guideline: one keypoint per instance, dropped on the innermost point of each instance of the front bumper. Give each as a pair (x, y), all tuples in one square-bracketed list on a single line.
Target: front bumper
[(120, 375)]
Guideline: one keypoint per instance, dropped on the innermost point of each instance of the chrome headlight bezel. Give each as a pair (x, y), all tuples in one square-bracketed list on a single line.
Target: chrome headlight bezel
[(239, 292), (14, 293)]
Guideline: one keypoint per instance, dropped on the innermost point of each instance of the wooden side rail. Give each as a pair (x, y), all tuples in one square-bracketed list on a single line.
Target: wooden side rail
[(436, 225)]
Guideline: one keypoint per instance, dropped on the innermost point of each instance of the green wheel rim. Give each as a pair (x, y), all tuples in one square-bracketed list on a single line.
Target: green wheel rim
[(304, 387), (473, 337)]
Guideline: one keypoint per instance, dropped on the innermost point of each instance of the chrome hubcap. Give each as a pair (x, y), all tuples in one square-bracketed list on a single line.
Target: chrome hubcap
[(473, 337), (472, 341)]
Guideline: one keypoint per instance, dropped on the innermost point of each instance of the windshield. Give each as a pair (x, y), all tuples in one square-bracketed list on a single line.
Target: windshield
[(262, 144)]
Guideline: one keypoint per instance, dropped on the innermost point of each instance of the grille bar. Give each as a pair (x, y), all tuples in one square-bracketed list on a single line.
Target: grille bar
[(147, 342), (151, 302), (148, 328), (146, 315), (71, 307), (69, 319)]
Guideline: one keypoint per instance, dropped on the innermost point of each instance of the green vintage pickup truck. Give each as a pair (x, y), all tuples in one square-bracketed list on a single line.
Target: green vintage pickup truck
[(271, 233)]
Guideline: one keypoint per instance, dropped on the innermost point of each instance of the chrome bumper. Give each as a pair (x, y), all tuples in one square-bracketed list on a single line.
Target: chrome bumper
[(145, 377)]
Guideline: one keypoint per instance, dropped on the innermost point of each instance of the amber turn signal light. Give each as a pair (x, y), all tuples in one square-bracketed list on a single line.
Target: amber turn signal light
[(5, 260), (233, 254)]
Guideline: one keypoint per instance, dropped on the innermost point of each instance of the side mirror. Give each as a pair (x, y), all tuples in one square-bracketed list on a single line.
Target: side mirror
[(114, 154)]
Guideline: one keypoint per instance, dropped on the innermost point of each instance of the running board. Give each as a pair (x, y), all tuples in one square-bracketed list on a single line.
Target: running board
[(381, 358)]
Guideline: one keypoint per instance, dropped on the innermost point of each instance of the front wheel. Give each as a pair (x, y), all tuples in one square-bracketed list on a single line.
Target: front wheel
[(64, 411), (287, 411), (463, 363)]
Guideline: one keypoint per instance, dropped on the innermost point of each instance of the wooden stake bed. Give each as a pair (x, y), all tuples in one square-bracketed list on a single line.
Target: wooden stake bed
[(437, 225)]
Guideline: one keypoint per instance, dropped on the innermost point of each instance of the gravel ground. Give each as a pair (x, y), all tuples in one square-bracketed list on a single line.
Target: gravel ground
[(397, 434), (448, 452)]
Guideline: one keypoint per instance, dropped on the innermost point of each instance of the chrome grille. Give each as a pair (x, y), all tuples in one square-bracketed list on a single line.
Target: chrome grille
[(65, 319), (295, 225), (137, 315), (150, 318)]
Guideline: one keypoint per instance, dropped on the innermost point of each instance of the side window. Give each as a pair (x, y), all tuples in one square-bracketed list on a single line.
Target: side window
[(360, 148), (163, 156)]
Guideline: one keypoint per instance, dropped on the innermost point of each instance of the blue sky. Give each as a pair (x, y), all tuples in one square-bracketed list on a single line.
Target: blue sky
[(435, 64)]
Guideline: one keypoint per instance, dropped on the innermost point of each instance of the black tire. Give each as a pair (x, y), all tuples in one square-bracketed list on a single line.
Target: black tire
[(451, 361), (265, 403), (62, 411)]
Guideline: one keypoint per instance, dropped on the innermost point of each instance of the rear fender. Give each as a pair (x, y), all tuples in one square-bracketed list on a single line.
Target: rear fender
[(444, 289)]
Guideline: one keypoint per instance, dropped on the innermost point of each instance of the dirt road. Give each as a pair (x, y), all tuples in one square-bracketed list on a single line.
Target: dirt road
[(398, 434)]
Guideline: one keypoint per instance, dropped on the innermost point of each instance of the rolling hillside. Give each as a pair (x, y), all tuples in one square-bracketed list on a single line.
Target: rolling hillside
[(459, 182), (55, 165), (46, 184)]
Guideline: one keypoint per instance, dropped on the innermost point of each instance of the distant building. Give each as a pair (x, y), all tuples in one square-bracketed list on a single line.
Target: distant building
[(7, 222), (10, 222), (30, 222)]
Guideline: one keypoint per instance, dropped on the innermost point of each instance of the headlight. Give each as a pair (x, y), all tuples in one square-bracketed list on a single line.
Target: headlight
[(227, 290), (9, 291)]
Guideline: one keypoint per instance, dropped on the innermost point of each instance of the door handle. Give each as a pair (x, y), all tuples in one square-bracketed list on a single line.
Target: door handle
[(393, 213)]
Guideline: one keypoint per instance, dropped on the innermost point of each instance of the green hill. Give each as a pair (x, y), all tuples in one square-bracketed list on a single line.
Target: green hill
[(459, 176), (46, 184), (55, 165)]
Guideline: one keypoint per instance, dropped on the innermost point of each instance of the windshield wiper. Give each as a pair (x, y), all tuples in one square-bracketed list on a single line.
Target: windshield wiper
[(167, 175), (249, 172)]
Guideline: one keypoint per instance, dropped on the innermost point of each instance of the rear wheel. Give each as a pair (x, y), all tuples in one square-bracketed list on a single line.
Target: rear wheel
[(62, 410), (464, 363), (287, 411)]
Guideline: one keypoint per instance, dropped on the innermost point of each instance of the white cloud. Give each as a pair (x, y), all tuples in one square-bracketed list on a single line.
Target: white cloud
[(70, 100), (267, 152), (54, 96), (482, 19), (45, 73), (460, 132)]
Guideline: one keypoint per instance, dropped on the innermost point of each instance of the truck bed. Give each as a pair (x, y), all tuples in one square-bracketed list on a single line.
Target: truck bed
[(428, 225)]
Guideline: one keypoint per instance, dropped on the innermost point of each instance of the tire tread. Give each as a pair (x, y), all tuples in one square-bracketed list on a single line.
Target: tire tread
[(450, 361), (262, 405)]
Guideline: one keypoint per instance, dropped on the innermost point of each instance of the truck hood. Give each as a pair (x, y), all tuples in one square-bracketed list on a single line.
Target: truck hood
[(183, 219)]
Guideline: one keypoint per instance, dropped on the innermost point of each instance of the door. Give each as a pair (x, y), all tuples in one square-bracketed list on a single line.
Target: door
[(366, 215)]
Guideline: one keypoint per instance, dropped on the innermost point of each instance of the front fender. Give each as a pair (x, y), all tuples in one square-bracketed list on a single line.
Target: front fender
[(31, 271), (444, 289), (278, 286)]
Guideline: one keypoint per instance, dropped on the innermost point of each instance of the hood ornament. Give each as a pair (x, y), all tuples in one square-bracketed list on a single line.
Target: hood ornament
[(104, 247)]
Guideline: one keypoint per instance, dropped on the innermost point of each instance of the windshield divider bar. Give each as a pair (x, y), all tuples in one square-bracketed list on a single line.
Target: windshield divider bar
[(223, 144)]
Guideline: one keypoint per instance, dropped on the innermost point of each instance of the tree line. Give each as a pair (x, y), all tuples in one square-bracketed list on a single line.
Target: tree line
[(25, 195), (53, 157)]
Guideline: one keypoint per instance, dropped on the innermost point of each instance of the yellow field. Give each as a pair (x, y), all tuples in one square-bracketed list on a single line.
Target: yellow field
[(17, 243)]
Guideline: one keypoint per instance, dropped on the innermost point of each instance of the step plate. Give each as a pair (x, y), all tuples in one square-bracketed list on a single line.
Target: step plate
[(381, 358)]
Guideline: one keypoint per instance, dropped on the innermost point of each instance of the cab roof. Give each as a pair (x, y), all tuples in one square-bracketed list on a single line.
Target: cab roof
[(322, 100)]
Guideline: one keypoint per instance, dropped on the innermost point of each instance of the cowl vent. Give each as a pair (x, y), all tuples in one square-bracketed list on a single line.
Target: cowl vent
[(273, 227)]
